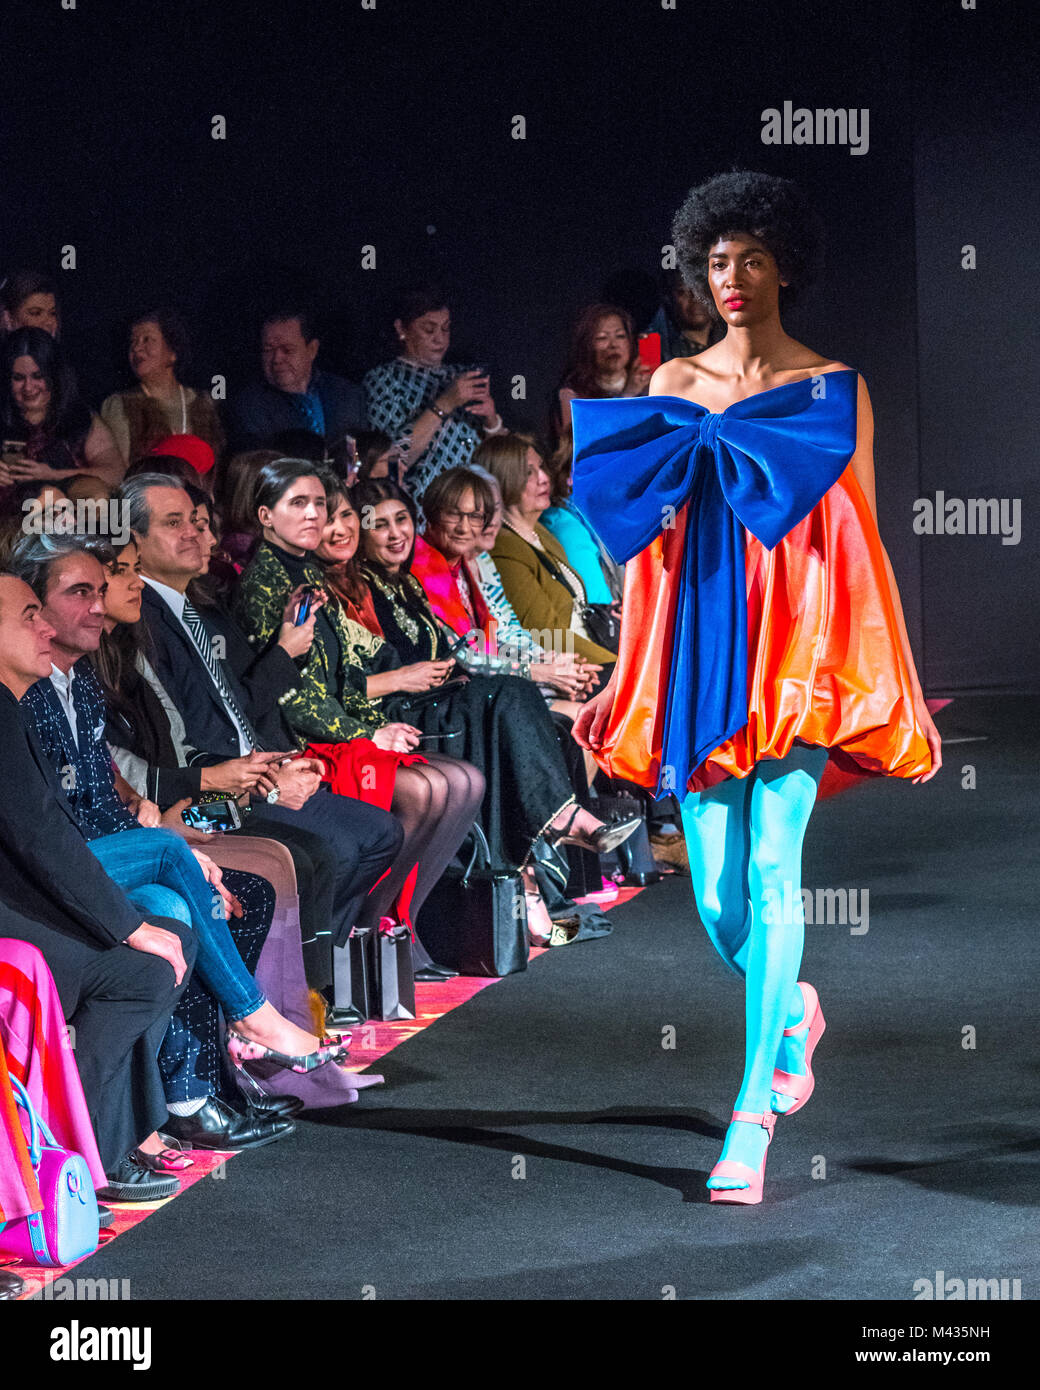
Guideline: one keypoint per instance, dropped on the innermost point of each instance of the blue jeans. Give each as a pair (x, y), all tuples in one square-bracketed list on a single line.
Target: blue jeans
[(161, 877)]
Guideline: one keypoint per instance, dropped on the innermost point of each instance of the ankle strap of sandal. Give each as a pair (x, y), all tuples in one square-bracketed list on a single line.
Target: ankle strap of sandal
[(767, 1121)]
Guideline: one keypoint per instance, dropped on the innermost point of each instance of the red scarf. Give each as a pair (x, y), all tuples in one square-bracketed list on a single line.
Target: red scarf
[(438, 578)]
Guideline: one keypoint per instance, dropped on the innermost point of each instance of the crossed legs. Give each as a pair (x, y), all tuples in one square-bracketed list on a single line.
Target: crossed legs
[(744, 839)]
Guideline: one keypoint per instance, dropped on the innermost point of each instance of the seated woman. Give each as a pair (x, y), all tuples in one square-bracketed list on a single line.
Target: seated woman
[(235, 488), (435, 412), (602, 578), (498, 722), (160, 405), (48, 432), (543, 588), (604, 361), (435, 797)]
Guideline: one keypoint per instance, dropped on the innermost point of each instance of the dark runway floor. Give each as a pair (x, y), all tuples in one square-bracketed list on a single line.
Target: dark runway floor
[(539, 1142)]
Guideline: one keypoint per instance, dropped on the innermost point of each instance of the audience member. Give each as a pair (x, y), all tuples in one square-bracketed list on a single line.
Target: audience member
[(499, 723), (436, 413), (231, 702), (604, 361), (436, 797), (602, 578), (683, 320), (160, 404), (295, 394), (119, 974), (48, 432), (29, 300), (545, 591)]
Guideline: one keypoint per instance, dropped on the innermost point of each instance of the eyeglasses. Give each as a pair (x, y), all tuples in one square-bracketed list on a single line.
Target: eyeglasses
[(474, 518)]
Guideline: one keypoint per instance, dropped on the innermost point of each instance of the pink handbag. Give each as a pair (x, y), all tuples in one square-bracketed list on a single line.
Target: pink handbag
[(67, 1228)]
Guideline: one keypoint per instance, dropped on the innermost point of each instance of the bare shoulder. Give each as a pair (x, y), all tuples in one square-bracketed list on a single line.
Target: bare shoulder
[(684, 376)]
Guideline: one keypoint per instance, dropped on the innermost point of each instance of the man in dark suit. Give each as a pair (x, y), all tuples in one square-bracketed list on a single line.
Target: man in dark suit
[(227, 696), (295, 393), (118, 976)]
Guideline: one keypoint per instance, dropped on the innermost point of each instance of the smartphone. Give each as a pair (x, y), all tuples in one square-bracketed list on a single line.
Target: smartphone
[(303, 609), (212, 816), (650, 349), (15, 447)]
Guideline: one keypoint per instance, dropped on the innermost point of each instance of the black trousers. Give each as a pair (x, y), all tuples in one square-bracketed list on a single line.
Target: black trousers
[(119, 1002), (357, 843)]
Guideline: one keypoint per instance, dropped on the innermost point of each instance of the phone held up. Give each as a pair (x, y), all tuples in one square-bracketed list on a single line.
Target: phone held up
[(303, 608)]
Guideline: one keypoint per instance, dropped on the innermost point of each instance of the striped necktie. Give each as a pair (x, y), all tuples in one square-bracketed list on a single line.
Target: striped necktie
[(197, 629)]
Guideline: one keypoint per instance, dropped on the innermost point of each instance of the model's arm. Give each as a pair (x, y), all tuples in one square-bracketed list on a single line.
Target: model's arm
[(862, 464)]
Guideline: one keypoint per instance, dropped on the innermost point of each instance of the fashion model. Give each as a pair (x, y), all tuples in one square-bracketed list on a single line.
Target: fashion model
[(762, 630)]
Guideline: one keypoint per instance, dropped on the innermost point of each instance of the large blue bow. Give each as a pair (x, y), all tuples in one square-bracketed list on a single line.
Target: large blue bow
[(763, 463)]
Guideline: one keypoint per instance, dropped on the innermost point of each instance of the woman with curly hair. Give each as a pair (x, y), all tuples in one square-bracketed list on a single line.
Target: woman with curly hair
[(761, 626)]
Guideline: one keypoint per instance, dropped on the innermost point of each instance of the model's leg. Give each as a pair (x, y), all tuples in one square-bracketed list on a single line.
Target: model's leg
[(716, 826), (782, 796), (718, 836)]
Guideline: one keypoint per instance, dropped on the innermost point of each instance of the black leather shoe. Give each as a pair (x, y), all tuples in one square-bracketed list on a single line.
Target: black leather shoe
[(445, 971), (104, 1217), (10, 1285), (284, 1107), (429, 975), (132, 1181), (216, 1126), (343, 1016)]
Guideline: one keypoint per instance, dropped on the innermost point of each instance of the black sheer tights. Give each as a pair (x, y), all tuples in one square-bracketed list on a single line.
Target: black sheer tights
[(436, 803)]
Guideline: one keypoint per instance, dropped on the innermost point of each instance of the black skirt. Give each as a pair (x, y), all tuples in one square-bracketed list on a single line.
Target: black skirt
[(501, 725)]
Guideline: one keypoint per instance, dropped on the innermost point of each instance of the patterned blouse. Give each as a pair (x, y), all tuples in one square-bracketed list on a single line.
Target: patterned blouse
[(397, 393), (330, 704)]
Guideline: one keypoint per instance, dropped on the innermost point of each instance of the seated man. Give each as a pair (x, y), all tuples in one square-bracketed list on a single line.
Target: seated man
[(119, 974), (155, 866), (295, 394), (228, 697)]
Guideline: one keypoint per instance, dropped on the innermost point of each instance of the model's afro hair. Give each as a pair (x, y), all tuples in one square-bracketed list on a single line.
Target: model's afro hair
[(773, 209)]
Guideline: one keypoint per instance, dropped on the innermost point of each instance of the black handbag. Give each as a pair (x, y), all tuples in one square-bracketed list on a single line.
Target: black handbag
[(395, 975), (475, 919), (602, 626)]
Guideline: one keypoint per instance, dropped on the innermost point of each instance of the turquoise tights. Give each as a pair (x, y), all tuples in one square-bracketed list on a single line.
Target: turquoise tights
[(744, 839)]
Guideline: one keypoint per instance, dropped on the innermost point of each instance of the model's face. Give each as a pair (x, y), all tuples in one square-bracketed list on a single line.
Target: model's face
[(75, 605), (125, 585), (339, 540), (29, 389), (286, 356), (744, 280), (297, 519), (171, 551), (388, 535), (611, 345), (25, 634), (37, 311), (150, 353), (426, 339), (537, 493)]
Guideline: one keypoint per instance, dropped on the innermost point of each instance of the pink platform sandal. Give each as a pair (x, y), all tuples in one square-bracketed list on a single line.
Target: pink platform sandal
[(784, 1082), (730, 1168)]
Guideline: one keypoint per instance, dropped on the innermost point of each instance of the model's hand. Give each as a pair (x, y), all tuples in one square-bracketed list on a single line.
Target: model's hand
[(589, 727), (157, 941), (931, 733)]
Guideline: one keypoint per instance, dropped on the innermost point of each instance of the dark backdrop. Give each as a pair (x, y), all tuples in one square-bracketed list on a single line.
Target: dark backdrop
[(391, 128)]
